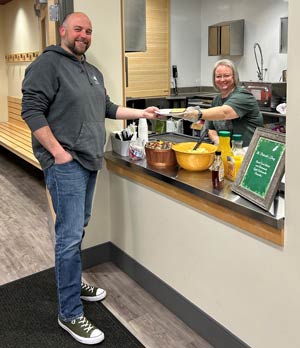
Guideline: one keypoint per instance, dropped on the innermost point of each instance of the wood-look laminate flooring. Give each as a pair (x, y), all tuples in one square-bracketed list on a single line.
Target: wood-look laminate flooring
[(147, 319), (25, 242), (26, 247)]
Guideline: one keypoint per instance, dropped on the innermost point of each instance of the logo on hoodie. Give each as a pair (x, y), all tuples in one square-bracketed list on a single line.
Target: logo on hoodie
[(95, 80)]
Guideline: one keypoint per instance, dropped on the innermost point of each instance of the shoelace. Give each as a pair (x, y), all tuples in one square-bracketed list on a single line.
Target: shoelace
[(87, 287), (84, 323)]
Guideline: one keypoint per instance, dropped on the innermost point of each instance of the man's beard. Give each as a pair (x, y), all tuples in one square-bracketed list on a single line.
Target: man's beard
[(72, 47)]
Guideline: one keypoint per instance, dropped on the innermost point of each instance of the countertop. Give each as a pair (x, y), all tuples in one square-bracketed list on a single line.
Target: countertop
[(199, 184)]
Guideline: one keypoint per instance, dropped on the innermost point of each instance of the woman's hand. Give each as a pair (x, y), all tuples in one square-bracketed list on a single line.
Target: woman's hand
[(191, 114), (213, 136)]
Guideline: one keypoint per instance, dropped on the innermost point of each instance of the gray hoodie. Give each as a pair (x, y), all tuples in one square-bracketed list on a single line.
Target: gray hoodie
[(69, 96)]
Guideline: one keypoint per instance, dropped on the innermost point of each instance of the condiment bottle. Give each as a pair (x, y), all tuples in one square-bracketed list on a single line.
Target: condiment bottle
[(143, 130), (217, 171), (234, 162), (224, 147), (237, 145)]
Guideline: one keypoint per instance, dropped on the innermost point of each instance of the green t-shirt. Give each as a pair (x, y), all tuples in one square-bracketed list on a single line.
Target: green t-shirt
[(245, 105)]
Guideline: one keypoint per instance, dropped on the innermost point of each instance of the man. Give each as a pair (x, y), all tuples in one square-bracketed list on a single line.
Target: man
[(65, 105)]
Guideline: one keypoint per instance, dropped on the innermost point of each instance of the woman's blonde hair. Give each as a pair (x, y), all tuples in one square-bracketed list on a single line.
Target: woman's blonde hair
[(230, 65)]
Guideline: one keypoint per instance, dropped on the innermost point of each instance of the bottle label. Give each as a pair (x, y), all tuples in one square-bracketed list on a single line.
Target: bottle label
[(230, 168), (221, 173), (233, 166)]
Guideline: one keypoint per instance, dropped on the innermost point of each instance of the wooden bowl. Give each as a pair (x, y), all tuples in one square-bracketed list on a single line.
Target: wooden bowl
[(160, 158)]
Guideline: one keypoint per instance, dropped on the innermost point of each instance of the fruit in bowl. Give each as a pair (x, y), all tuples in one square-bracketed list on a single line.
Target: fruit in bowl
[(194, 160), (160, 154)]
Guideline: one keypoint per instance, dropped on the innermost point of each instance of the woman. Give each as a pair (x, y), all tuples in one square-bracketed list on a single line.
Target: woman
[(235, 109)]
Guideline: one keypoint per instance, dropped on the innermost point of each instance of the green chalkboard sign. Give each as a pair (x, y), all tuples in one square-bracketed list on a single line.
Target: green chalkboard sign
[(262, 168)]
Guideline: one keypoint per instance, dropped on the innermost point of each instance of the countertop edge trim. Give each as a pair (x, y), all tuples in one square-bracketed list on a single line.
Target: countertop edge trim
[(245, 223)]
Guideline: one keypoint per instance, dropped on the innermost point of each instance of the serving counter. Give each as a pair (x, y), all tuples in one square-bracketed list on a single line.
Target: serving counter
[(195, 190)]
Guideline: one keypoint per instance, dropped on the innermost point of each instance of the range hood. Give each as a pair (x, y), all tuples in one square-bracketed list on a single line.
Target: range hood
[(135, 25)]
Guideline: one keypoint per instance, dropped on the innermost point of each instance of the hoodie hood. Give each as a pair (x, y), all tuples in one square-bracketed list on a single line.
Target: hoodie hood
[(81, 63), (60, 50)]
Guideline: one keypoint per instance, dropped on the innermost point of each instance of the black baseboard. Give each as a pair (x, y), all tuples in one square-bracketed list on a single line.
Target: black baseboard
[(96, 255), (208, 328)]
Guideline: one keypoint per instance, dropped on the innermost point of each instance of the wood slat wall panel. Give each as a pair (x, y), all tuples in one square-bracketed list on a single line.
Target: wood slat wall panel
[(15, 143), (17, 123), (10, 126), (14, 100), (149, 72), (15, 134), (15, 104), (24, 138), (14, 112)]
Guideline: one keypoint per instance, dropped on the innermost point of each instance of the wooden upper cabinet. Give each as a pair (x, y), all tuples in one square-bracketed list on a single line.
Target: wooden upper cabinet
[(213, 40), (226, 38), (148, 73)]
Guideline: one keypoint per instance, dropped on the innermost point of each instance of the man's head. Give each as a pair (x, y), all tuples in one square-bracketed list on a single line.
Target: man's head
[(76, 33)]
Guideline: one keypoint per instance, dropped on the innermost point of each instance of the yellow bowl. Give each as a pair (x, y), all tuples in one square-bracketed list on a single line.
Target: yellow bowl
[(194, 161)]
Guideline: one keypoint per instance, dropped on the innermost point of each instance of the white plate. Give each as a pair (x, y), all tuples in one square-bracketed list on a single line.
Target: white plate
[(169, 112)]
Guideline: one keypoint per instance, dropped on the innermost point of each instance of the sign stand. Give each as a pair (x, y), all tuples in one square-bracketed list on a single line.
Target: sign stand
[(262, 169)]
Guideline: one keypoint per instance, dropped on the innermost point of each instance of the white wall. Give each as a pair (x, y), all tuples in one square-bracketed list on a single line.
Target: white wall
[(105, 52), (262, 24), (3, 75), (22, 28), (185, 38)]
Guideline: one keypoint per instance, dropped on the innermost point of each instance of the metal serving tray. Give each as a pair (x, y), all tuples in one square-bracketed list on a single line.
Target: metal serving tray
[(172, 137)]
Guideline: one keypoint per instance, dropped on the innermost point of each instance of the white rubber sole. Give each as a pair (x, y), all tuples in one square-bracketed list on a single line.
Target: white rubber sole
[(89, 341), (94, 298)]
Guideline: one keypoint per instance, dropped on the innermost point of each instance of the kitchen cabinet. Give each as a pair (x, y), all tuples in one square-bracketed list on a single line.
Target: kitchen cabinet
[(148, 73), (226, 38)]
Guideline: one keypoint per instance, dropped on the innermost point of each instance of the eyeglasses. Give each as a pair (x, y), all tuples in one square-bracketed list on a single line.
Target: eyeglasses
[(225, 77)]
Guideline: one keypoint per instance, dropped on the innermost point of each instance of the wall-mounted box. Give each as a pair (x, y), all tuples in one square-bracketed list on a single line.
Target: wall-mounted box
[(135, 25), (283, 35), (226, 38)]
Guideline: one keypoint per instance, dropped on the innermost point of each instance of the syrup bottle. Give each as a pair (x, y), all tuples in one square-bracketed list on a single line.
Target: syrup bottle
[(217, 171)]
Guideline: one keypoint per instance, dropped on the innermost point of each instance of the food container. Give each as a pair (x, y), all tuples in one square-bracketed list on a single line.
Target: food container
[(198, 160), (159, 154), (119, 146), (137, 149)]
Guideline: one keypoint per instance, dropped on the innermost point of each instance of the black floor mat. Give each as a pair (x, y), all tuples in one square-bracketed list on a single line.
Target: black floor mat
[(28, 317)]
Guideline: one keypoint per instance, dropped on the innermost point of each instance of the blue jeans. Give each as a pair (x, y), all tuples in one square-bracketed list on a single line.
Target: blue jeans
[(71, 188)]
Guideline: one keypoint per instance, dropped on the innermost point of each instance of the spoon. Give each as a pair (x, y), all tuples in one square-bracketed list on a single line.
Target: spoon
[(201, 138)]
